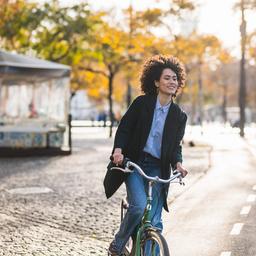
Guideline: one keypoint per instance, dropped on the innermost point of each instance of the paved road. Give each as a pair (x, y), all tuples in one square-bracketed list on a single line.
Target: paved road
[(70, 215), (216, 217)]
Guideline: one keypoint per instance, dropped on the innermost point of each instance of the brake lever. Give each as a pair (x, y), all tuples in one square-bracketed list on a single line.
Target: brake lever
[(126, 170), (182, 183)]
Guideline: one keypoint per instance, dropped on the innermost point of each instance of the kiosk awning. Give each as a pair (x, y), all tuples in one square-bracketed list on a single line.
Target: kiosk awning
[(18, 68)]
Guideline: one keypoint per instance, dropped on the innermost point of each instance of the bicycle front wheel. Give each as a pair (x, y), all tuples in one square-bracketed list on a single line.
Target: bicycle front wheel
[(154, 244)]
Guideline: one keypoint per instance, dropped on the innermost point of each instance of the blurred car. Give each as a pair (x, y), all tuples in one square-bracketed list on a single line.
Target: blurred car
[(236, 124)]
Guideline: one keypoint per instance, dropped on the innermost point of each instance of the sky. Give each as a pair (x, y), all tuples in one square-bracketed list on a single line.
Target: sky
[(219, 18), (215, 17)]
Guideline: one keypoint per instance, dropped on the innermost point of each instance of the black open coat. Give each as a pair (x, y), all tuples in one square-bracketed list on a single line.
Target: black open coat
[(132, 134)]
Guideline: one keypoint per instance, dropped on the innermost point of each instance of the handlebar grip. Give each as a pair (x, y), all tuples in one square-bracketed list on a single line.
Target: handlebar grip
[(124, 163)]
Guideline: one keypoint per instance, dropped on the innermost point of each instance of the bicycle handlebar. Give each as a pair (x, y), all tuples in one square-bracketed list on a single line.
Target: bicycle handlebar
[(127, 164)]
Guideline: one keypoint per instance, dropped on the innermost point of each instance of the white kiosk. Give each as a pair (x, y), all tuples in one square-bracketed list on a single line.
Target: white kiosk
[(34, 106)]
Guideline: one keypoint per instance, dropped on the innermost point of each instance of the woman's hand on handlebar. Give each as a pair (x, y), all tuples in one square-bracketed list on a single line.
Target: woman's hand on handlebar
[(117, 156), (181, 169)]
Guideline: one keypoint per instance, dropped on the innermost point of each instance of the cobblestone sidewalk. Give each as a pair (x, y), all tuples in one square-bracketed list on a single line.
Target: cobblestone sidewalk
[(73, 217)]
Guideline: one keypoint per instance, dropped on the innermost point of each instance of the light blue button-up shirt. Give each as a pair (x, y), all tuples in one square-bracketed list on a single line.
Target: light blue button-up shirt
[(154, 141)]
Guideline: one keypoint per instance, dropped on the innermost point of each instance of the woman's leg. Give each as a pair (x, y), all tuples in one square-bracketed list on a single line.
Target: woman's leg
[(157, 206), (137, 201)]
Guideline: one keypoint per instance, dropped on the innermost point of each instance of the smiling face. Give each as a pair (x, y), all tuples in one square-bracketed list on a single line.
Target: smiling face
[(168, 83)]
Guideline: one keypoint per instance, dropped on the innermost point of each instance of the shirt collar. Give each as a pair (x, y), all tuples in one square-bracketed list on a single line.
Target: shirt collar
[(164, 108)]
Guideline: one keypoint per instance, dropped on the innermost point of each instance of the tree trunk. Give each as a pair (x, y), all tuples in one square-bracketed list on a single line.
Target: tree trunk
[(200, 96), (129, 93), (224, 104), (110, 102), (242, 88)]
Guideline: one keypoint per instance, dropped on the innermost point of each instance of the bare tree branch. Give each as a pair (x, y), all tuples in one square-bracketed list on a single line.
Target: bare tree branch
[(93, 71)]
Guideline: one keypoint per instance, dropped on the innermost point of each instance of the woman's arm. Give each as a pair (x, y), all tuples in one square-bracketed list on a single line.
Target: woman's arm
[(126, 126), (177, 154)]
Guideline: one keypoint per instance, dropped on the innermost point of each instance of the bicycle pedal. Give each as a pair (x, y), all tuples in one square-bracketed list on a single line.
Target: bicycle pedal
[(125, 204), (111, 254)]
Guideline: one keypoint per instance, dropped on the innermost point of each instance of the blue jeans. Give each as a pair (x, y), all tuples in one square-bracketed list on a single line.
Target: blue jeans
[(136, 187)]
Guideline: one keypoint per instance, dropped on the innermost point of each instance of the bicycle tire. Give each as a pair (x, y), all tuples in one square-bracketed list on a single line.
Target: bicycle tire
[(156, 238)]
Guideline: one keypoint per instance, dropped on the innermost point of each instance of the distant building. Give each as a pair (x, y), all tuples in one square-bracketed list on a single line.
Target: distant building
[(214, 113)]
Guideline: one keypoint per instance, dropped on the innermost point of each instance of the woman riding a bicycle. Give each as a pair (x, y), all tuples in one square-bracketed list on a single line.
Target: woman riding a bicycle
[(150, 134)]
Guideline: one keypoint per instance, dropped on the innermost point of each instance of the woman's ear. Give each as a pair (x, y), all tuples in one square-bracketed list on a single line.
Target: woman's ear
[(156, 83)]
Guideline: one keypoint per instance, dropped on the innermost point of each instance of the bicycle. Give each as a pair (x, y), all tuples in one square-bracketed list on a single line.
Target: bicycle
[(146, 234)]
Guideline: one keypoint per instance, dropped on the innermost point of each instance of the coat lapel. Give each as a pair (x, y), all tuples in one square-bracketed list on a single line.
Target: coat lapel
[(148, 118), (169, 131)]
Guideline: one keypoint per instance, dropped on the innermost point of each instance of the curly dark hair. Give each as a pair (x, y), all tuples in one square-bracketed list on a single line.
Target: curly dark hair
[(153, 68)]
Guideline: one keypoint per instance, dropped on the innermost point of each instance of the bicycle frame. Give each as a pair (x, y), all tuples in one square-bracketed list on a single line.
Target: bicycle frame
[(146, 218)]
